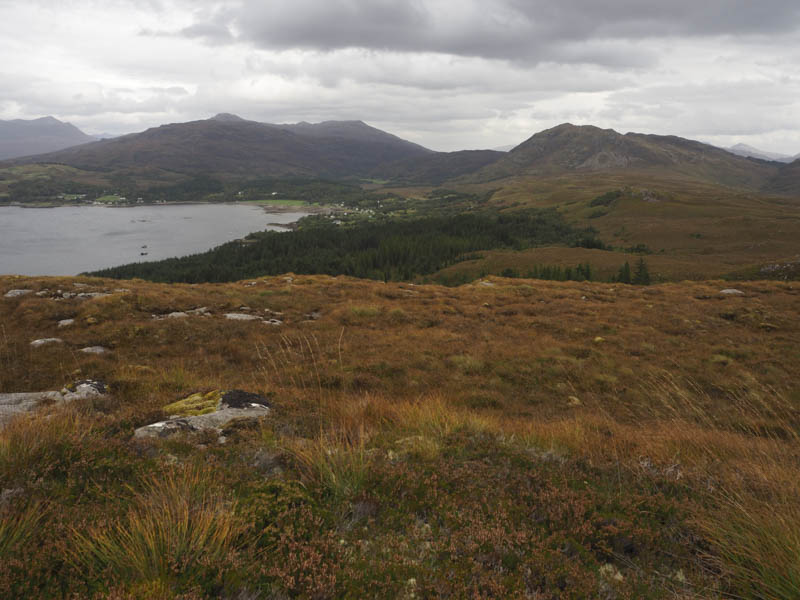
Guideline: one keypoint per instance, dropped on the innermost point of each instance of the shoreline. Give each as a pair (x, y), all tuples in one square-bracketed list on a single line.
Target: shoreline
[(274, 208)]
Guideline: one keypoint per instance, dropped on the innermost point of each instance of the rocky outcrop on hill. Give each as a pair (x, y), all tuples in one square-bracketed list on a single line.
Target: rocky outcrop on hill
[(12, 405), (204, 412)]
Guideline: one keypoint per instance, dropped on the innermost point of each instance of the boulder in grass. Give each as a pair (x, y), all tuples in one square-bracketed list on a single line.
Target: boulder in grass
[(17, 293), (240, 317), (209, 411), (84, 389), (46, 342), (94, 350), (731, 292), (12, 405)]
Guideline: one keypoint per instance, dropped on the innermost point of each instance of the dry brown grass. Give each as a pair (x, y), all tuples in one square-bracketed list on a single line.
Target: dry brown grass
[(616, 387)]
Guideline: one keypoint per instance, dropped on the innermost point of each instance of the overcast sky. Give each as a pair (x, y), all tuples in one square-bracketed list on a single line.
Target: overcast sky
[(448, 74)]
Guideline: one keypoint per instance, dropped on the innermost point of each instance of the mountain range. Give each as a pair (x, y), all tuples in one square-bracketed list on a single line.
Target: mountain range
[(24, 138), (230, 147), (749, 151)]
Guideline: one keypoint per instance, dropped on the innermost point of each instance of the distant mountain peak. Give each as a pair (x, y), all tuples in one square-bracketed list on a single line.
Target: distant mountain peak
[(26, 137), (749, 151), (227, 117)]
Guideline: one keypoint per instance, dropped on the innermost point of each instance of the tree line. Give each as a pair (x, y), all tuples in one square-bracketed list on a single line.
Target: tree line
[(388, 251)]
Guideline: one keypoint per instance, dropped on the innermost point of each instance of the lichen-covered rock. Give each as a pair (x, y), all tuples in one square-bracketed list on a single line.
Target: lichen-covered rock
[(65, 323), (195, 404), (209, 411)]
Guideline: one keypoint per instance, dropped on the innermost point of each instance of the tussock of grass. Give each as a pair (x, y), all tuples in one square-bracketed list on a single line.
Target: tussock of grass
[(17, 528), (338, 464), (178, 532), (42, 444)]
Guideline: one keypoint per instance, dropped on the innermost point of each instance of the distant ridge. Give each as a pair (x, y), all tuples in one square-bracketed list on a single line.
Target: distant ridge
[(229, 145), (568, 148), (749, 151), (21, 137)]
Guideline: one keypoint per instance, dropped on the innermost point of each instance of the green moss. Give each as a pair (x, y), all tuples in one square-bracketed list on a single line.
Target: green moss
[(196, 404)]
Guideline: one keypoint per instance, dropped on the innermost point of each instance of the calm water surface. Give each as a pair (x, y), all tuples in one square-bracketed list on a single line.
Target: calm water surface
[(71, 239)]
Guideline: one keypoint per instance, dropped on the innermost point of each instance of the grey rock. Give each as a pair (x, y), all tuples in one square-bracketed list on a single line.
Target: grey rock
[(17, 293), (84, 389), (12, 405), (177, 315), (43, 293), (235, 404), (94, 350), (203, 310), (46, 341), (240, 317), (88, 295), (275, 322), (66, 323), (731, 292)]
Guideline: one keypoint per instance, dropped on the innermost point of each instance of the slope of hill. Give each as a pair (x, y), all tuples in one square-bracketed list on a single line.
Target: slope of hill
[(24, 138), (437, 167), (787, 181), (567, 148), (229, 145)]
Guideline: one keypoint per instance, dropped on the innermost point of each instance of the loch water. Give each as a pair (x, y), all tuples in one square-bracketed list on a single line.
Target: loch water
[(68, 240)]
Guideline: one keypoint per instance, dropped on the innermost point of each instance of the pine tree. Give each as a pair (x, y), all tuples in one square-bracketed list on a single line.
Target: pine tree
[(624, 275), (642, 275)]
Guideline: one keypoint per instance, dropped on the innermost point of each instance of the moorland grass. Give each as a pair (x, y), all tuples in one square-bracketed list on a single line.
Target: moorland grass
[(484, 445)]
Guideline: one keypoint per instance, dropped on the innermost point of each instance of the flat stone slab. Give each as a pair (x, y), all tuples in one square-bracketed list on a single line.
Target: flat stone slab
[(15, 404), (241, 317), (95, 350), (234, 404), (732, 292), (65, 323), (16, 293), (12, 405), (46, 342)]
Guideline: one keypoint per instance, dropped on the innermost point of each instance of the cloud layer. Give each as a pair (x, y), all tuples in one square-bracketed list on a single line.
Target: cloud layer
[(449, 74)]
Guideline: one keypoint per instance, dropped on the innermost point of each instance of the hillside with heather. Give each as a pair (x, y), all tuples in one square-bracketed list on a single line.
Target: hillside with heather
[(624, 441)]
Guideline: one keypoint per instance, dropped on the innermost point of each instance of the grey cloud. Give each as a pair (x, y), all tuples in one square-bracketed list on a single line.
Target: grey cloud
[(211, 33), (531, 31)]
